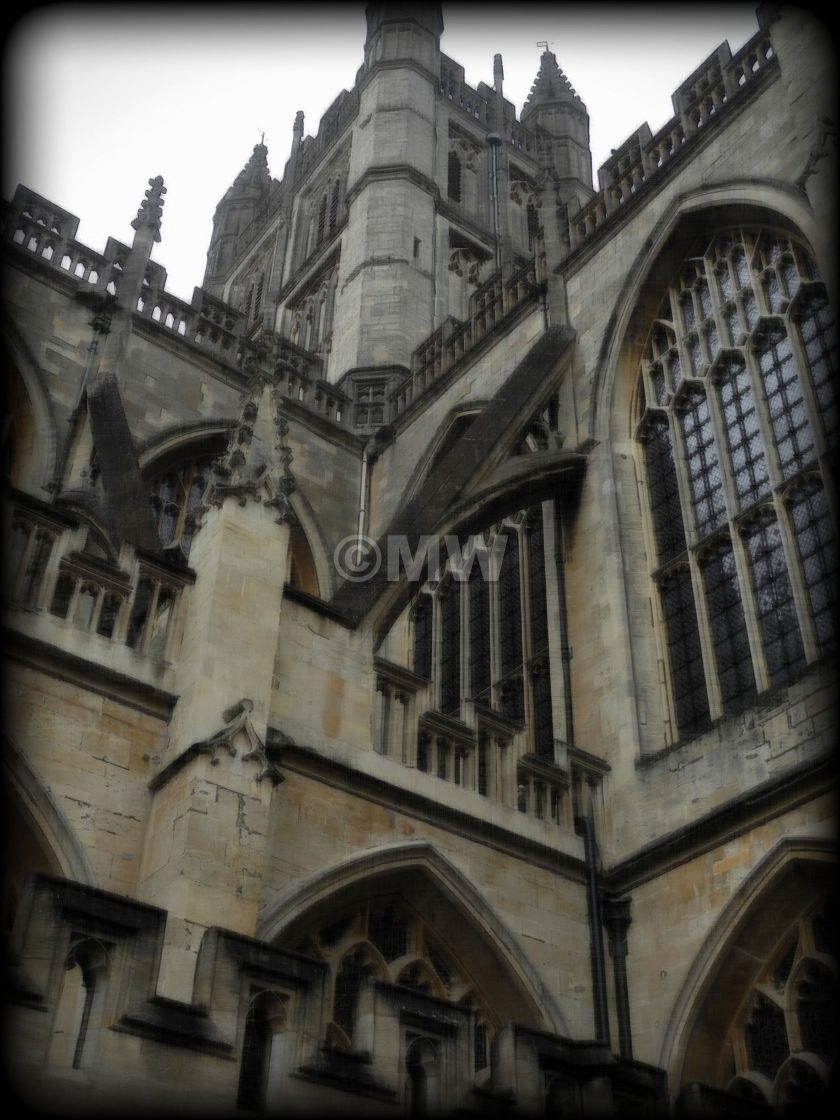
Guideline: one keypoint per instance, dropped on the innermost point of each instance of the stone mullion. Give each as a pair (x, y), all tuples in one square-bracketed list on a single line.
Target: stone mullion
[(97, 608), (380, 734), (74, 597), (399, 723), (148, 625)]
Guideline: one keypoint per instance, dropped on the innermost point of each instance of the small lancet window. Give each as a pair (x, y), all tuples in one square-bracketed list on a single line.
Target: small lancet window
[(454, 184)]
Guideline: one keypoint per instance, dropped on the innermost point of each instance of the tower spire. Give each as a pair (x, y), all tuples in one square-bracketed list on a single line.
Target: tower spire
[(550, 84), (554, 107)]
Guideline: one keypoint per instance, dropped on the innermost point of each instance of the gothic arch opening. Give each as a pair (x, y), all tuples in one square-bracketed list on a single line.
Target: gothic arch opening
[(36, 836), (415, 921), (759, 1014), (27, 444)]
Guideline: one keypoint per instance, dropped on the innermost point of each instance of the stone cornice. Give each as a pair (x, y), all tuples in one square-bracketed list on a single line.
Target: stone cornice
[(311, 763), (88, 676)]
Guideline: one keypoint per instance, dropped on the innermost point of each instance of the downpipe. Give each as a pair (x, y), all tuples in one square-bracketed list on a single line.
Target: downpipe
[(585, 827)]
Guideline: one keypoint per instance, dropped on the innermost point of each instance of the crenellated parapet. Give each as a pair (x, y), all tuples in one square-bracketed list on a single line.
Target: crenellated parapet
[(701, 103)]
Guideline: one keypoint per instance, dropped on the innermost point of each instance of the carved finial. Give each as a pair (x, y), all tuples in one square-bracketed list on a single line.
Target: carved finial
[(151, 208), (256, 464), (551, 83)]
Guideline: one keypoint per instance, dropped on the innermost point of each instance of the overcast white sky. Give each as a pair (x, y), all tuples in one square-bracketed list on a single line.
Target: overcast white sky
[(98, 99)]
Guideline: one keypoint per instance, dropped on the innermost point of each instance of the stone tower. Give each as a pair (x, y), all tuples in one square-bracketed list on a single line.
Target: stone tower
[(558, 114)]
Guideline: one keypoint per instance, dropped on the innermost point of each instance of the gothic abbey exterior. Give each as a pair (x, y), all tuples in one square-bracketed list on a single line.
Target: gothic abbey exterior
[(419, 683)]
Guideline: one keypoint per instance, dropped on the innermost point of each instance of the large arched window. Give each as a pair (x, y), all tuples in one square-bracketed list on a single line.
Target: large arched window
[(736, 420)]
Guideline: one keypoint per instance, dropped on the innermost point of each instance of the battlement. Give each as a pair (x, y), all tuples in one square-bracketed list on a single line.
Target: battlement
[(700, 103)]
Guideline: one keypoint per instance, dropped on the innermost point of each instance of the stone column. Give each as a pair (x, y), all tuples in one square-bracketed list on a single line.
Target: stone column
[(615, 912)]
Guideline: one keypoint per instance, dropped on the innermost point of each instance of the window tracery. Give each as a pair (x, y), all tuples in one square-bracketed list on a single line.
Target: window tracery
[(480, 635), (386, 940), (176, 497), (785, 1040), (736, 419)]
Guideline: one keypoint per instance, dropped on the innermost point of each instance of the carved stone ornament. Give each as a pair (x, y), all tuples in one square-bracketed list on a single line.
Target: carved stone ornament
[(521, 191), (238, 722), (465, 263), (257, 462)]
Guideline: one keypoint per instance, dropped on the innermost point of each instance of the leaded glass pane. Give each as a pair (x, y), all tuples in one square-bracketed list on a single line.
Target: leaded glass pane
[(674, 368), (746, 450), (815, 541), (663, 492), (772, 293), (688, 682), (423, 637), (704, 474), (742, 269), (790, 277), (543, 729), (724, 279), (819, 338), (536, 569), (750, 309), (774, 603), (712, 342), (687, 310), (733, 324), (791, 427), (766, 1037), (479, 601), (450, 650), (726, 621), (695, 355), (510, 614), (704, 295), (658, 377)]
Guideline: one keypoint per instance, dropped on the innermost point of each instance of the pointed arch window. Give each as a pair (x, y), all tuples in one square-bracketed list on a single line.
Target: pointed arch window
[(480, 636), (734, 443), (454, 179), (264, 1024), (532, 224), (176, 496), (484, 636), (449, 659)]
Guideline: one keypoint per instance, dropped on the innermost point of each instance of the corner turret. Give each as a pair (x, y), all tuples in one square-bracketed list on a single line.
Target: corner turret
[(387, 40), (553, 107), (236, 210)]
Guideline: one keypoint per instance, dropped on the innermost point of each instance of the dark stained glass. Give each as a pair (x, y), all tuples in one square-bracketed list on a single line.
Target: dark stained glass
[(450, 650), (423, 637), (819, 338), (815, 541), (688, 682), (729, 632), (766, 1037), (662, 490), (774, 602), (510, 613), (746, 450), (788, 415), (479, 603), (704, 475)]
